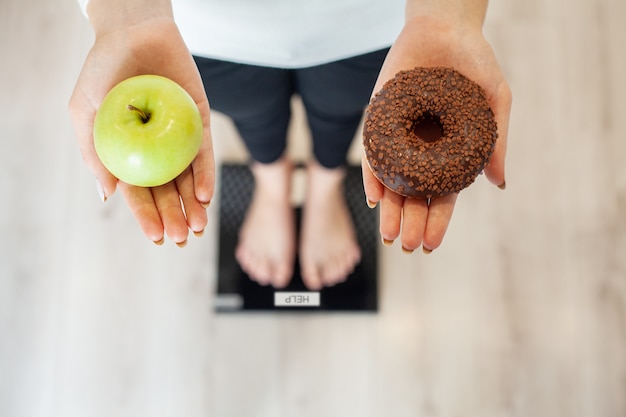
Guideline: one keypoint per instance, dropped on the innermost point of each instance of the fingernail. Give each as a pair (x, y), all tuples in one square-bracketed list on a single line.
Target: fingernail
[(160, 242), (100, 190), (407, 251), (370, 204), (426, 250), (502, 186), (387, 242), (199, 234), (182, 244), (205, 205)]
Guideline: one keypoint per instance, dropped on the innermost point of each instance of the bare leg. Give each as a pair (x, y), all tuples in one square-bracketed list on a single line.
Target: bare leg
[(266, 248), (328, 246)]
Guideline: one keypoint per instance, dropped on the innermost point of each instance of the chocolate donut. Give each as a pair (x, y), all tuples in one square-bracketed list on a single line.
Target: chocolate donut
[(401, 149)]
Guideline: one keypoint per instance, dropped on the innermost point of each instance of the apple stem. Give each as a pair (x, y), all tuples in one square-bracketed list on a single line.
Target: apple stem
[(144, 116)]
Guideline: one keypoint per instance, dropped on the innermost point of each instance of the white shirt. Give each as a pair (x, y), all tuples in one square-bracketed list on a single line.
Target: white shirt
[(287, 33)]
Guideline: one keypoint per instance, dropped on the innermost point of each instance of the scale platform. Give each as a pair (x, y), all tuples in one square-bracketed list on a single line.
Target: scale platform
[(236, 292)]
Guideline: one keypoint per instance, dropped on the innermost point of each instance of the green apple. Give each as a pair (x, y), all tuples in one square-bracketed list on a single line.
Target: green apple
[(147, 130)]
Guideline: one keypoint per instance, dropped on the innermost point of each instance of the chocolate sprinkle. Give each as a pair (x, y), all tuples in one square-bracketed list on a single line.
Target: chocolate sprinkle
[(412, 166)]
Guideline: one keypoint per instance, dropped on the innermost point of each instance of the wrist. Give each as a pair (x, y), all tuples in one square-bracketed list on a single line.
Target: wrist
[(455, 14), (107, 16)]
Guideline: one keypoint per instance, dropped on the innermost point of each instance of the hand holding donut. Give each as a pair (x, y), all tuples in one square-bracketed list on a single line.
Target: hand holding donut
[(439, 41)]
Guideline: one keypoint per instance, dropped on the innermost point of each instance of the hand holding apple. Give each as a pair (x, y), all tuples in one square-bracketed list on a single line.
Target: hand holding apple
[(152, 45), (147, 130)]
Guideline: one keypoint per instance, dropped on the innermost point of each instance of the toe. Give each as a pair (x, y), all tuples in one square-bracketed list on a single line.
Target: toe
[(347, 264), (329, 272), (255, 267), (311, 277), (335, 271), (281, 276), (262, 272)]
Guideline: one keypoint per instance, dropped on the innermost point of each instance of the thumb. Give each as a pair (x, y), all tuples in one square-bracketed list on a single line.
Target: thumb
[(374, 190), (501, 104), (83, 115)]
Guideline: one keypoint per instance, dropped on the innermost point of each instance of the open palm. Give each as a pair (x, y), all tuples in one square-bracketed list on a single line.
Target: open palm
[(430, 43), (153, 47)]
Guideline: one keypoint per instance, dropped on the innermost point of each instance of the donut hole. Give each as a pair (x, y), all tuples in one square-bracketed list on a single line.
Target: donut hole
[(428, 128)]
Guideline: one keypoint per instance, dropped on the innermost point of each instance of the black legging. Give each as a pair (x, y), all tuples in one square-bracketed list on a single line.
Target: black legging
[(258, 100)]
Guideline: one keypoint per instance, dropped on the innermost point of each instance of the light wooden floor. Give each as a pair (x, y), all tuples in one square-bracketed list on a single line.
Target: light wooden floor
[(522, 312)]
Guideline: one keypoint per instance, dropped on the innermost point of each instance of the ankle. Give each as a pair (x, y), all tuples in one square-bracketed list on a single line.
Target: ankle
[(273, 179), (325, 182)]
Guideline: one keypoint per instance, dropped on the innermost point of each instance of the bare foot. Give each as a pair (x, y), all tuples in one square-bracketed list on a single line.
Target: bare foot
[(266, 248), (328, 247)]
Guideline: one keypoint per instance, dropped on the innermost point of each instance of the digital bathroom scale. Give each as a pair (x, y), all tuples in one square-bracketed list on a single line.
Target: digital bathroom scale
[(236, 292)]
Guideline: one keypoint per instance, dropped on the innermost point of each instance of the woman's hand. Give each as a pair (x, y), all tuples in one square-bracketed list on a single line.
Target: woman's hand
[(152, 46), (429, 42)]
